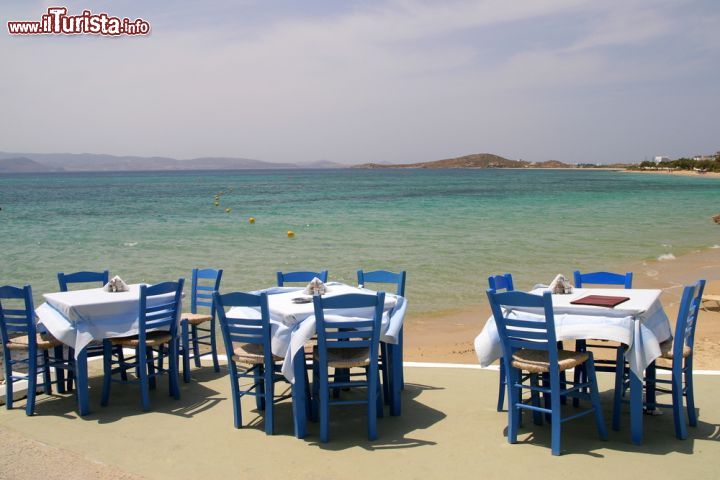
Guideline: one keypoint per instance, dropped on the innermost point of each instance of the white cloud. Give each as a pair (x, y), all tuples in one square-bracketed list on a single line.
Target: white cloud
[(405, 81)]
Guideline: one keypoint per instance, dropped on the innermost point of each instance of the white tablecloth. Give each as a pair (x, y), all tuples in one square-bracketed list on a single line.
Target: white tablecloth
[(293, 324), (80, 317), (640, 323)]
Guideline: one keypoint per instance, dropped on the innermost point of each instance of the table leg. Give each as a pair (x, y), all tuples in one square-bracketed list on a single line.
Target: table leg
[(650, 394), (299, 395), (396, 379), (636, 408), (81, 381)]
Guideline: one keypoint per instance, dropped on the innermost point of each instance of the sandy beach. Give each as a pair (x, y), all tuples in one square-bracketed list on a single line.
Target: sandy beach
[(684, 173), (448, 336)]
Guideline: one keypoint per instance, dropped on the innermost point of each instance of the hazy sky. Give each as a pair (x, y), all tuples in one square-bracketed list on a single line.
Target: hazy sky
[(361, 81)]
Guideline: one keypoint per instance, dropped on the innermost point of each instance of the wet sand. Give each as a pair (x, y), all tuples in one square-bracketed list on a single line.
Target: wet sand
[(448, 336)]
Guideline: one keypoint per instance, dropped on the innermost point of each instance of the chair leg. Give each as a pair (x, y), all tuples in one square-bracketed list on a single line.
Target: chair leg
[(269, 403), (150, 356), (235, 389), (213, 346), (7, 363), (107, 370), (47, 386), (308, 395), (341, 375), (121, 361), (161, 358), (579, 373), (678, 410), (547, 397), (324, 394), (315, 405), (173, 368), (185, 351), (372, 403), (513, 400), (501, 387), (402, 358), (556, 423), (689, 393), (71, 375), (385, 371), (59, 372), (259, 387), (32, 385), (595, 398), (142, 360), (380, 408), (619, 387), (535, 398), (195, 346)]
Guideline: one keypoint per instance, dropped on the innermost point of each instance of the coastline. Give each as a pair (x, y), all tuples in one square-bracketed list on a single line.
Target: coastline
[(447, 336), (680, 173)]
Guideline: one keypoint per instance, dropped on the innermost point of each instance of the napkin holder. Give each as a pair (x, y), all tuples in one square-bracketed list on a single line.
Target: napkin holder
[(116, 284), (560, 285), (315, 287)]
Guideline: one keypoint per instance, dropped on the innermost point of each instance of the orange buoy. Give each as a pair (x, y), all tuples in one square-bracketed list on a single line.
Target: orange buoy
[(290, 234)]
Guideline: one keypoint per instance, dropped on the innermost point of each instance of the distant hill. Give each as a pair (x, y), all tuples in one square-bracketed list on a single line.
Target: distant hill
[(23, 165), (478, 160), (88, 162), (551, 164)]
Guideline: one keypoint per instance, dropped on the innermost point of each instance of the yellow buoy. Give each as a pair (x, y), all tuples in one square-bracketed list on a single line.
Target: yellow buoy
[(227, 210), (251, 219), (290, 234), (217, 204)]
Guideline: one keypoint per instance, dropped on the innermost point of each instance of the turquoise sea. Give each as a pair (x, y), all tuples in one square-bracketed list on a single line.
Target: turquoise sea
[(449, 229)]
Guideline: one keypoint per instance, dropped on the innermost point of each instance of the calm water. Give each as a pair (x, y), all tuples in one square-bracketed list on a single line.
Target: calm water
[(449, 229)]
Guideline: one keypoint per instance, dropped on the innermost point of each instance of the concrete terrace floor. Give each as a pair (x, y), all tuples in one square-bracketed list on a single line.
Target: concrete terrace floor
[(449, 428)]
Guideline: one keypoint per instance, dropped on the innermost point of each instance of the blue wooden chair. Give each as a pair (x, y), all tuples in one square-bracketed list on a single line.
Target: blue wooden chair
[(345, 343), (249, 353), (582, 280), (300, 277), (679, 353), (204, 283), (157, 334), (398, 280), (531, 346), (18, 334), (603, 278), (83, 279), (67, 279), (500, 283)]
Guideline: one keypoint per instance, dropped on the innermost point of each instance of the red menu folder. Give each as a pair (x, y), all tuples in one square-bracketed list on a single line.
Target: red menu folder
[(600, 301)]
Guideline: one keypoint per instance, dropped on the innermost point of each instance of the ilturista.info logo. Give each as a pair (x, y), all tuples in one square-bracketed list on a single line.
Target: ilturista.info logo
[(57, 22)]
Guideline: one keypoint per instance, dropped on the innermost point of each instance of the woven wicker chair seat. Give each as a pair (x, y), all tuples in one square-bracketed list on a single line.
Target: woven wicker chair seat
[(666, 350), (152, 339), (251, 354), (44, 341), (345, 357), (537, 361), (196, 318)]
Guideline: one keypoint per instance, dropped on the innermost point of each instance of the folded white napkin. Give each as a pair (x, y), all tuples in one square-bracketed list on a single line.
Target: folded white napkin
[(116, 284), (315, 287), (560, 285)]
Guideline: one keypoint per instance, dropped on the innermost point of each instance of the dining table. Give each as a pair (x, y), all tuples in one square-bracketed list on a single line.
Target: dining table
[(639, 322), (293, 326), (81, 318)]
